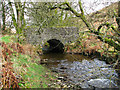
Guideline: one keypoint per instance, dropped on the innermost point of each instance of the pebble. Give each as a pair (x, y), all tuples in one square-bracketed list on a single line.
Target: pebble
[(88, 74)]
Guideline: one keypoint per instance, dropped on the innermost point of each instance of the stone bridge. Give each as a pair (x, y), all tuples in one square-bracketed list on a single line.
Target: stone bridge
[(53, 36)]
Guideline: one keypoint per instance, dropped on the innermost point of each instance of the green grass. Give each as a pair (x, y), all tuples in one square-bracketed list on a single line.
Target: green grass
[(34, 75), (7, 38)]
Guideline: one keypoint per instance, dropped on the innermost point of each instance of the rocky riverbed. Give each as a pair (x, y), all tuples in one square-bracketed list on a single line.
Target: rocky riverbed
[(88, 74), (85, 73)]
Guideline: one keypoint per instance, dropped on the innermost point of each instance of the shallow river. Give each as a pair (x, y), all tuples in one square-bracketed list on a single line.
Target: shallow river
[(81, 70)]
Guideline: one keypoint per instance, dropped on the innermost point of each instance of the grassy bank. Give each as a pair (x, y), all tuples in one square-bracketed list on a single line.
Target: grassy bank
[(33, 75), (21, 63), (24, 69)]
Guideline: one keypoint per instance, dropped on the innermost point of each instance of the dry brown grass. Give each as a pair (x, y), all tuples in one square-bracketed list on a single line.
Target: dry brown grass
[(8, 78)]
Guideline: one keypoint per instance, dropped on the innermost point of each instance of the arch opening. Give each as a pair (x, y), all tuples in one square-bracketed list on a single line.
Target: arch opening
[(53, 46)]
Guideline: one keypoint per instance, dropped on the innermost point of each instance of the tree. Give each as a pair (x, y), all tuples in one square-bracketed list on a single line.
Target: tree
[(40, 14), (3, 15), (118, 18), (112, 41), (18, 23)]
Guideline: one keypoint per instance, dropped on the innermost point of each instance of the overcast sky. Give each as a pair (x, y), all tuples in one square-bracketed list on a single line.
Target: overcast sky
[(89, 5), (95, 5)]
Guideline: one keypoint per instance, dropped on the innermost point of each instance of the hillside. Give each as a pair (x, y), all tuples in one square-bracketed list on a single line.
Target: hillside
[(89, 41), (106, 14)]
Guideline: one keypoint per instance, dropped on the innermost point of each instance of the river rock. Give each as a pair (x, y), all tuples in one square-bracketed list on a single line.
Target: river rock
[(102, 83), (88, 74)]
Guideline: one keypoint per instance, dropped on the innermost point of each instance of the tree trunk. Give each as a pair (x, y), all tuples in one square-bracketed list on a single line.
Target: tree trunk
[(3, 15), (118, 18), (23, 23), (13, 15), (19, 23)]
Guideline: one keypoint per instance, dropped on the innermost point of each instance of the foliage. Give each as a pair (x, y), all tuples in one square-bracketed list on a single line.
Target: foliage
[(17, 10), (3, 16), (5, 39), (18, 65), (8, 77), (41, 15), (18, 61), (111, 39)]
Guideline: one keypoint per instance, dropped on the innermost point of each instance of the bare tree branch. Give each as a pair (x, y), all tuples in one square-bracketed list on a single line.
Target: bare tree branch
[(81, 9)]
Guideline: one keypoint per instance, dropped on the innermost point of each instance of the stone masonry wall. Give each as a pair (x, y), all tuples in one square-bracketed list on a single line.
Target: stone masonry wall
[(64, 34)]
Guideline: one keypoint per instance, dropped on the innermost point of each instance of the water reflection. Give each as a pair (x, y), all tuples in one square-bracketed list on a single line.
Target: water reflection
[(53, 59)]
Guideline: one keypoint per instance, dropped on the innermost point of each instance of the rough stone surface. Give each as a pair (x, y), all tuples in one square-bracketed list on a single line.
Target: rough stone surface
[(65, 35), (104, 83), (89, 74)]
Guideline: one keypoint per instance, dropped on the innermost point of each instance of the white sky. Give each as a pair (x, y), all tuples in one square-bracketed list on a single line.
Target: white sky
[(95, 5)]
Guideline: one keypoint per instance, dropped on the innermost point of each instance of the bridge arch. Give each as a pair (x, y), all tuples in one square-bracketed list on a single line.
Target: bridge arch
[(53, 46)]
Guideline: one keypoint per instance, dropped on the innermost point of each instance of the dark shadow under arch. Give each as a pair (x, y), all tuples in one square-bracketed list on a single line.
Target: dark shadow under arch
[(55, 46)]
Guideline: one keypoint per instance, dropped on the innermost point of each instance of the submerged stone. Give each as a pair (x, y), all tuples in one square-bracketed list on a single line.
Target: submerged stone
[(102, 83), (88, 74)]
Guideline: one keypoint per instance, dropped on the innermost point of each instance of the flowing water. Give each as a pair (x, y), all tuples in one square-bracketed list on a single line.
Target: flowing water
[(83, 71)]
